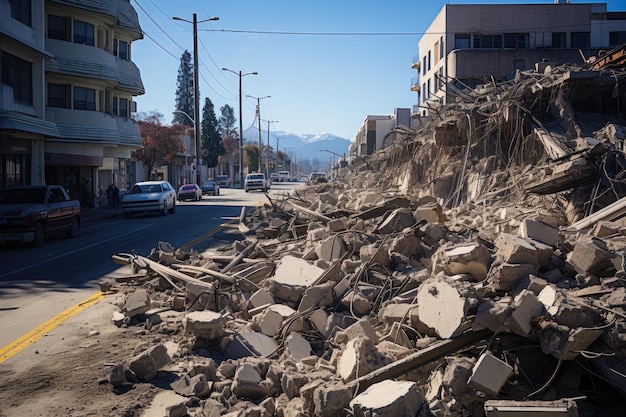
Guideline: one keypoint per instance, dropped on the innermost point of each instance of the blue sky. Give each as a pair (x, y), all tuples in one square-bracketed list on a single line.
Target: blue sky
[(326, 64)]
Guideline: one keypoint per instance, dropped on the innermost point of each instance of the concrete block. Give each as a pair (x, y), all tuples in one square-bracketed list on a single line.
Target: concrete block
[(362, 328), (455, 376), (331, 248), (490, 374), (205, 324), (297, 347), (136, 303), (260, 298), (526, 307), (247, 382), (147, 364), (405, 313), (532, 283), (176, 410), (330, 399), (539, 231), (398, 220), (337, 225), (319, 319), (506, 276), (443, 306), (191, 386), (591, 255), (291, 382), (566, 311), (515, 249), (375, 254), (200, 297), (250, 344), (354, 359), (605, 228), (462, 258), (293, 275), (432, 213), (272, 318), (388, 398), (493, 315), (317, 296)]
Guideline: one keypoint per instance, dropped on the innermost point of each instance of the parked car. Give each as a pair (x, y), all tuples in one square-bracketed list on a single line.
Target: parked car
[(210, 187), (189, 192), (223, 180), (317, 177), (256, 181), (149, 196), (30, 213), (273, 177)]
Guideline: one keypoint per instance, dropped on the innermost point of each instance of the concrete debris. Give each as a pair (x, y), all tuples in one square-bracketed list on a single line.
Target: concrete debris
[(461, 272)]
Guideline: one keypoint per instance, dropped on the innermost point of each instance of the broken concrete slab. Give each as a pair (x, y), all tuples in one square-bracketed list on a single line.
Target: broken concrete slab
[(147, 364), (205, 324), (462, 258), (293, 275), (388, 398), (489, 374)]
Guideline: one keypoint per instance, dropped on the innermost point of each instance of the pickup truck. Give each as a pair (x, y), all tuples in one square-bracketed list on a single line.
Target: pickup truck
[(256, 181), (30, 213)]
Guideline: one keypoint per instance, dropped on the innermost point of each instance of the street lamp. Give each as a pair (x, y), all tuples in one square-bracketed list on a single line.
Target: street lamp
[(267, 163), (194, 162), (196, 87), (240, 124), (258, 115)]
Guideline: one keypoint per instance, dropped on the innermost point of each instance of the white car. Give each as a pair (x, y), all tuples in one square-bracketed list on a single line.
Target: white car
[(256, 181), (149, 196)]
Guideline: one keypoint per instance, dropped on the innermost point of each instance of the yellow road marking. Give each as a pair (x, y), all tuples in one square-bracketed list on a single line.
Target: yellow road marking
[(31, 337)]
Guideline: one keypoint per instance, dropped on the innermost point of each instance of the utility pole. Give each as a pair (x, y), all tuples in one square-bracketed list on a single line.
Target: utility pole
[(267, 163), (258, 115)]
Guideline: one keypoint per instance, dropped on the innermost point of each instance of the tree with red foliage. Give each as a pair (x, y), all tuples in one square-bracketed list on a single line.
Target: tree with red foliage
[(159, 142)]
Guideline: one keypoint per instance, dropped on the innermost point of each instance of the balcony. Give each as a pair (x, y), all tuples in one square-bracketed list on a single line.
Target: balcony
[(415, 84), (415, 64), (94, 127)]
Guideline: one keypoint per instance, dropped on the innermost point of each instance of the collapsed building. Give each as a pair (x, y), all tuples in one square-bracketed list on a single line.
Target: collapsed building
[(473, 267)]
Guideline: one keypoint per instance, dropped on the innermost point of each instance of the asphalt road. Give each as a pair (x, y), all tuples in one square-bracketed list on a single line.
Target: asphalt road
[(36, 284)]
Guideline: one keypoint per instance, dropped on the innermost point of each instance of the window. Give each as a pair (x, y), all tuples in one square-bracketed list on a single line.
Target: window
[(115, 106), (461, 41), (558, 40), (441, 49), (59, 95), (436, 48), (123, 50), (516, 40), (21, 10), (123, 111), (429, 60), (58, 27), (488, 41), (580, 40), (83, 33), (617, 38), (18, 74), (424, 65), (84, 98)]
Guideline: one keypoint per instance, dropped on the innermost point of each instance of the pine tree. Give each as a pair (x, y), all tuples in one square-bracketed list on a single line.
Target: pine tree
[(212, 147), (227, 122), (184, 91)]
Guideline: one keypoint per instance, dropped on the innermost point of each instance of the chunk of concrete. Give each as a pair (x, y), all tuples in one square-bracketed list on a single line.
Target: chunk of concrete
[(388, 398), (490, 374), (431, 212), (293, 275), (443, 306), (330, 399), (205, 324), (462, 258), (136, 303), (568, 311), (506, 276), (247, 382), (591, 255), (260, 298), (200, 296), (147, 364), (337, 225), (297, 347), (271, 319), (250, 344), (375, 254), (188, 386), (526, 307), (514, 249), (331, 248), (398, 220), (318, 296), (539, 231)]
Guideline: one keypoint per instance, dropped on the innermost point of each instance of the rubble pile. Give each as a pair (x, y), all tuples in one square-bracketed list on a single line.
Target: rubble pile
[(433, 279)]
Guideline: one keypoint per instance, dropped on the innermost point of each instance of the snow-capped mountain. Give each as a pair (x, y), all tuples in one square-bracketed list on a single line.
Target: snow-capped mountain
[(318, 150)]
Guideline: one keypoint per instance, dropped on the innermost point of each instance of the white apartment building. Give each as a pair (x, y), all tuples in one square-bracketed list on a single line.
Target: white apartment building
[(66, 92), (471, 44)]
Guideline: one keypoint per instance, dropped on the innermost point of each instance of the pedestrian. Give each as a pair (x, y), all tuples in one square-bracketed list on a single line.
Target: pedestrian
[(116, 196), (110, 195)]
